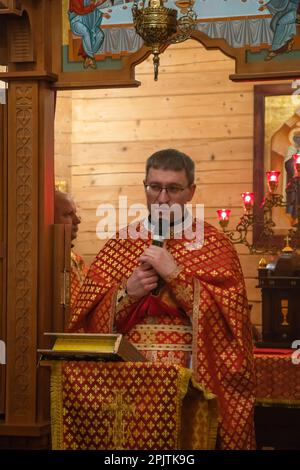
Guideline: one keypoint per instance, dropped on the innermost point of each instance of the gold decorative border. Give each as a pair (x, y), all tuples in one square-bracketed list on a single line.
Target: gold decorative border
[(184, 377), (163, 347), (56, 394), (213, 414), (195, 323)]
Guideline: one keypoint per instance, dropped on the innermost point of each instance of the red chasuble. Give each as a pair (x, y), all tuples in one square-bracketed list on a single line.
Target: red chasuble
[(77, 6), (199, 319), (78, 272)]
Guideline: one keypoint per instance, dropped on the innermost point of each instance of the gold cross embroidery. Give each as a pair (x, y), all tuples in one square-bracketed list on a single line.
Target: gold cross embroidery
[(118, 408)]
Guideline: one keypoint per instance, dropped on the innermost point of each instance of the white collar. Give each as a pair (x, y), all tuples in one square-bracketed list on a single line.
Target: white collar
[(178, 226)]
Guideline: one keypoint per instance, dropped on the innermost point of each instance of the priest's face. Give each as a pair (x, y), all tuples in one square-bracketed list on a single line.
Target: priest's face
[(167, 188), (65, 213)]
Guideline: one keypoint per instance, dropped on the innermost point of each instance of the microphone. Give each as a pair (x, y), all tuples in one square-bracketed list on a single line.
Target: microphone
[(159, 232), (161, 228)]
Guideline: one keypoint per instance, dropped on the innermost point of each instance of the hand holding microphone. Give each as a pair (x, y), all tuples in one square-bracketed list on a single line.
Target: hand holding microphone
[(143, 279), (156, 263), (157, 255), (160, 259)]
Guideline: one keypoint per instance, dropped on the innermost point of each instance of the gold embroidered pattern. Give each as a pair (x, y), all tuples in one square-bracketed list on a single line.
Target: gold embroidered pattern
[(119, 410), (128, 406), (222, 331), (174, 274)]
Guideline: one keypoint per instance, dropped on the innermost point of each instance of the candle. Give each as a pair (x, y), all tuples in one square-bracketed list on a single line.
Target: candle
[(272, 178), (223, 216), (248, 199), (296, 158)]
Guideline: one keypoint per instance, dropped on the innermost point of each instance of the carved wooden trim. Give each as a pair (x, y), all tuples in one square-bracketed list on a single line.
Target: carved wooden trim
[(20, 39), (31, 75), (23, 269), (8, 7), (22, 253)]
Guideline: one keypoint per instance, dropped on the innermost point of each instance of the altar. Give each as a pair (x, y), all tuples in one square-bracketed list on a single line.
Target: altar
[(131, 405), (277, 411)]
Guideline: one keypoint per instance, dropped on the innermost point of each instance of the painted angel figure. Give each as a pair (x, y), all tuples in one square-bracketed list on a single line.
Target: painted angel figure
[(85, 18), (283, 25)]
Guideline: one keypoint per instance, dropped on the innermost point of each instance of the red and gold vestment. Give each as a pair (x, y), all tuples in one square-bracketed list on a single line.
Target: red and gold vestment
[(201, 314), (78, 273)]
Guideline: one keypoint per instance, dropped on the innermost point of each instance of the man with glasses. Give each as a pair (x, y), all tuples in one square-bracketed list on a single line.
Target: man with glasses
[(175, 299)]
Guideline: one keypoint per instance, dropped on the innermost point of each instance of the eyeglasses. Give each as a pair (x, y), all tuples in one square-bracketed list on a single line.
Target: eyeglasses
[(155, 189)]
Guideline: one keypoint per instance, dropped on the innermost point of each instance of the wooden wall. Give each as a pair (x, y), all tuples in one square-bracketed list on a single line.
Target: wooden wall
[(63, 141), (106, 135)]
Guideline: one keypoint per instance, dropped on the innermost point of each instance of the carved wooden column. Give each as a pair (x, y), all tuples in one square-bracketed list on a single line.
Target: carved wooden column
[(22, 252), (29, 254), (27, 28)]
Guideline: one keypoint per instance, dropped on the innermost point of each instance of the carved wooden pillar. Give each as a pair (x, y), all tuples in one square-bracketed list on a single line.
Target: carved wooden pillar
[(29, 254), (22, 252)]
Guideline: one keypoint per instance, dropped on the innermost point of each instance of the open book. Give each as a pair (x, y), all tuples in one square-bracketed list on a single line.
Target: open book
[(95, 347)]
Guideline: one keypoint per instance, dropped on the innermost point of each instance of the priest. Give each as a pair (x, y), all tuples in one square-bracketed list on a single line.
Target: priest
[(177, 296), (65, 212)]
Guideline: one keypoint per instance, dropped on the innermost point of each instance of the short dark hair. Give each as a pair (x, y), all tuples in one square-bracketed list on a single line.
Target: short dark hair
[(172, 159)]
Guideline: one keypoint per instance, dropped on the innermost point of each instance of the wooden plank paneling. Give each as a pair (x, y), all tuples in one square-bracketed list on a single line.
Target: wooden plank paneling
[(91, 109), (128, 178), (211, 81), (63, 137), (228, 149), (129, 167), (174, 128), (256, 313), (188, 56), (249, 264), (253, 292)]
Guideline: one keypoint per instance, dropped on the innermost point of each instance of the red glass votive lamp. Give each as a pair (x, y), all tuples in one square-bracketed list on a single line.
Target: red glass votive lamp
[(223, 216), (296, 158), (273, 178), (248, 200)]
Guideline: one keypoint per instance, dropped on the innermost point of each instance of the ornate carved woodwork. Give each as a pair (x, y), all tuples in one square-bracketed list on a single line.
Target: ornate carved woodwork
[(20, 39), (31, 39), (10, 7), (16, 34), (22, 251), (29, 255)]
